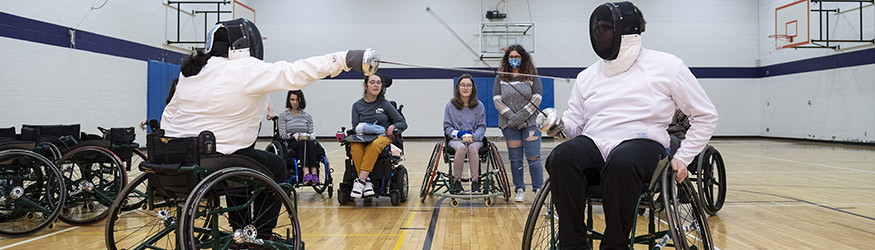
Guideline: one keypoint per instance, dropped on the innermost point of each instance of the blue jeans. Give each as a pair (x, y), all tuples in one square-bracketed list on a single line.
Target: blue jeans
[(531, 146)]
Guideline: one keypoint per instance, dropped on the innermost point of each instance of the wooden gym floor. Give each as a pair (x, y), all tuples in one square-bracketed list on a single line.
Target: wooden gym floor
[(783, 194)]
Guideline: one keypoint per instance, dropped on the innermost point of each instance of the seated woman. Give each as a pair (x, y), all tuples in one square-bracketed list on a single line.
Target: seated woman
[(372, 111), (465, 123), (296, 128)]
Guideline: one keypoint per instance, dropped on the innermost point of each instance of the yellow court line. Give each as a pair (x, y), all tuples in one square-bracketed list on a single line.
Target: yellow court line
[(406, 225)]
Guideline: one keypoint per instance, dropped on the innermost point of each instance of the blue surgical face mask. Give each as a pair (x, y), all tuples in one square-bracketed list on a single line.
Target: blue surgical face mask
[(514, 62)]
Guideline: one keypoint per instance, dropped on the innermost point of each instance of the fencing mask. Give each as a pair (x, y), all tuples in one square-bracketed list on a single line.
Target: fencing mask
[(236, 38), (609, 22)]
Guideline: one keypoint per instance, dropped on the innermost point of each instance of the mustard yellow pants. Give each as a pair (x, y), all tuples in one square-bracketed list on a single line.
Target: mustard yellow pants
[(364, 155)]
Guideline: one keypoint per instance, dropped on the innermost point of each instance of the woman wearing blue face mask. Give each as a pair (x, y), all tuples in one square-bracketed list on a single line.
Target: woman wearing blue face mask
[(513, 96)]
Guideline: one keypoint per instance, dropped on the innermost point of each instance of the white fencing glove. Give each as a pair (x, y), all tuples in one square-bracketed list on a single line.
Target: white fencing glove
[(551, 124)]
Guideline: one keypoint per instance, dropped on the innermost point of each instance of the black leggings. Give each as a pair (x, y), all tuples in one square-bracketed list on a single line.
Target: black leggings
[(577, 164), (266, 221), (307, 151)]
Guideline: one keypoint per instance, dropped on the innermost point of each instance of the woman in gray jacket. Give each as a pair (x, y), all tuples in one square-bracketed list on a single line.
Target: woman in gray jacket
[(465, 123)]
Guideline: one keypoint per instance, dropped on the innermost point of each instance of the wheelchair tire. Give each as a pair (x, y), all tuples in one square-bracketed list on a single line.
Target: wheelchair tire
[(93, 177), (203, 207), (131, 230), (503, 183), (325, 178), (542, 224), (137, 197), (711, 179), (42, 192), (395, 197), (686, 217), (401, 182), (276, 147), (430, 171)]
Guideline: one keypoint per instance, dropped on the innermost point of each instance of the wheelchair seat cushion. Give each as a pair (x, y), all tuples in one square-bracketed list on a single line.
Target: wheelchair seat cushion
[(217, 161), (9, 144)]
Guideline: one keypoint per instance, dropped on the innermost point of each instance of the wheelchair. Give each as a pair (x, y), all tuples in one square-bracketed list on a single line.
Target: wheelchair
[(193, 195), (674, 205), (389, 177), (32, 191), (494, 183), (278, 146), (93, 175), (708, 172)]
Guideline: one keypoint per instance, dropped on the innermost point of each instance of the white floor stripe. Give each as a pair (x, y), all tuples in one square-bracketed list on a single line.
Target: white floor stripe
[(800, 205), (40, 237), (802, 162)]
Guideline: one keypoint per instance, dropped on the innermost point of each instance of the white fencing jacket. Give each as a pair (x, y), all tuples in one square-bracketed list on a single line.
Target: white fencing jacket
[(229, 97), (639, 103)]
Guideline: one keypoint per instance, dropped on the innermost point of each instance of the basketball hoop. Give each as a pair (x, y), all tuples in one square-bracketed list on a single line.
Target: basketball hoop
[(783, 37)]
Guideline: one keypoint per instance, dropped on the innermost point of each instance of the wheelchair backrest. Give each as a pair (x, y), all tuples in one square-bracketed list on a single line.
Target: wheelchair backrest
[(168, 154), (7, 132)]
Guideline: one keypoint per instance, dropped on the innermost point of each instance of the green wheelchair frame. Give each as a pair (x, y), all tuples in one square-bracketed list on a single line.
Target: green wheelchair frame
[(494, 183)]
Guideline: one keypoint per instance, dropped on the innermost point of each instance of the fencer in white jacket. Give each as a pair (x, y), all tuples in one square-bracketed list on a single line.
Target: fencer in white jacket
[(616, 122)]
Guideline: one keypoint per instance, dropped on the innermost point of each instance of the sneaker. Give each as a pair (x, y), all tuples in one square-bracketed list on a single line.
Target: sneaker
[(520, 195), (457, 187), (358, 187), (475, 187), (315, 179), (369, 188)]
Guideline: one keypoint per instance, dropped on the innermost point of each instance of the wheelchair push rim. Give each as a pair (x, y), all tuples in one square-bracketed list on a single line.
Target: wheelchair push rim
[(150, 226), (711, 180), (686, 217)]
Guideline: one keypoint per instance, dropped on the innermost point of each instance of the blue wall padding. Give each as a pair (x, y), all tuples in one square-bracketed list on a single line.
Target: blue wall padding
[(159, 77), (484, 94)]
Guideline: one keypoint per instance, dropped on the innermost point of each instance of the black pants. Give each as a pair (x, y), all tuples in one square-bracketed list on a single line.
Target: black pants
[(577, 164), (307, 151), (265, 208)]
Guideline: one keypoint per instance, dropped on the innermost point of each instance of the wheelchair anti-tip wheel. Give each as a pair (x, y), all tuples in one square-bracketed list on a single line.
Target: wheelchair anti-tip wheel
[(711, 179), (150, 226), (686, 218), (207, 220), (93, 177), (31, 193), (542, 224)]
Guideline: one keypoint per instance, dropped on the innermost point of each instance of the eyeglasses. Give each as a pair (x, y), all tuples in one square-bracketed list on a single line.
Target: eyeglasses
[(467, 86), (375, 82)]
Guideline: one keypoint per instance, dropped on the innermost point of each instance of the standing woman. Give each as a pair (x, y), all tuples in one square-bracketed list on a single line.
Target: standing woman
[(372, 113), (465, 123), (296, 128), (513, 96)]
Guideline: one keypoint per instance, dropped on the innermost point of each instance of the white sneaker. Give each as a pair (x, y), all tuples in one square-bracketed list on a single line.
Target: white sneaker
[(520, 196), (358, 186), (369, 189)]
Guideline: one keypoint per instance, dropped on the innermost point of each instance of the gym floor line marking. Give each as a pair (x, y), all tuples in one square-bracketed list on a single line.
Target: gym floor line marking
[(815, 204), (38, 238), (432, 224), (806, 204), (805, 163), (406, 226), (351, 235)]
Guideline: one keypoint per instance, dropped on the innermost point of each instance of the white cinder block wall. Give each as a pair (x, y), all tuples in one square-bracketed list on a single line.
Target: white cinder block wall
[(54, 85), (836, 104)]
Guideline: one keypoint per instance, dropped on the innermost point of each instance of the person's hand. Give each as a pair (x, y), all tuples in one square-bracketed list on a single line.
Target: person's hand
[(551, 124), (296, 135), (681, 169), (143, 125), (391, 132), (366, 61), (270, 115), (285, 136), (469, 137)]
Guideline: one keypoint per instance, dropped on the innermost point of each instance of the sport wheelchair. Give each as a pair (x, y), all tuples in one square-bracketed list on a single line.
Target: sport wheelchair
[(493, 181), (389, 177), (193, 197), (674, 205), (93, 175), (278, 146), (32, 191)]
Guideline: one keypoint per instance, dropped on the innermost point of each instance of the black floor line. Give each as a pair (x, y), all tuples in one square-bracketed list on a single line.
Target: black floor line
[(812, 203), (431, 225)]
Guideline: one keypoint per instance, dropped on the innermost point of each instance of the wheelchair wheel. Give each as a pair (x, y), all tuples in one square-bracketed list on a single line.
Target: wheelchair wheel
[(276, 147), (542, 225), (401, 182), (245, 187), (502, 174), (136, 198), (93, 177), (51, 147), (686, 218), (324, 178), (150, 226), (430, 171), (711, 179), (34, 192)]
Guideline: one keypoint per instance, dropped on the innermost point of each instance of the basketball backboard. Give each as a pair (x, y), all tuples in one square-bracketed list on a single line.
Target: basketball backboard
[(241, 10), (791, 25)]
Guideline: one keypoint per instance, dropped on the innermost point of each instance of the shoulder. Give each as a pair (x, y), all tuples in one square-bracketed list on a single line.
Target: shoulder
[(659, 57), (305, 114), (285, 113)]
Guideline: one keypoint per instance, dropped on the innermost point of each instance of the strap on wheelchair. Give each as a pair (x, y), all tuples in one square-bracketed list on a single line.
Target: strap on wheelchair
[(185, 151)]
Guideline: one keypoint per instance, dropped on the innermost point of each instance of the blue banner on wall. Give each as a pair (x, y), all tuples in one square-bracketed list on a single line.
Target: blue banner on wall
[(159, 78), (484, 94)]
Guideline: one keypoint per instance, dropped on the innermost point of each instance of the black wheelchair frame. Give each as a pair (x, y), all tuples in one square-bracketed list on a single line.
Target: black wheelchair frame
[(32, 191), (494, 182), (389, 176), (294, 165)]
